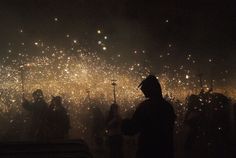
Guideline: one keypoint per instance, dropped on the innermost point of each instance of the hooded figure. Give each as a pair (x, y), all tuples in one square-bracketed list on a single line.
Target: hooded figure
[(153, 120)]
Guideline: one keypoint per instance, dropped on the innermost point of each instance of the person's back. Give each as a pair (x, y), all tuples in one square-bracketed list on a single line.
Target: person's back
[(154, 121), (39, 110)]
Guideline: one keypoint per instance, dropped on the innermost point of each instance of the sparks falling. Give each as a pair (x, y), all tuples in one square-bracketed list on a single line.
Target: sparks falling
[(69, 74)]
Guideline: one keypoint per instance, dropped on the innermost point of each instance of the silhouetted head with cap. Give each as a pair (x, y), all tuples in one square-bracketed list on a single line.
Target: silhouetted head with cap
[(38, 95), (56, 101), (151, 87)]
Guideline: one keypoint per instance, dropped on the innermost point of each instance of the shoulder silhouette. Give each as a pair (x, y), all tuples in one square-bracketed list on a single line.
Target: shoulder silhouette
[(153, 120)]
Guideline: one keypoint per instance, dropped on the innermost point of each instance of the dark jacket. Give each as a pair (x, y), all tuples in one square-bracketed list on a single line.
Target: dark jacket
[(38, 116), (154, 121), (58, 122)]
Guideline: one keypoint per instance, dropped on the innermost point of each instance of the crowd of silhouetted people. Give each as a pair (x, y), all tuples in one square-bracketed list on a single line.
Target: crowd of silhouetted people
[(48, 122), (210, 124), (204, 123)]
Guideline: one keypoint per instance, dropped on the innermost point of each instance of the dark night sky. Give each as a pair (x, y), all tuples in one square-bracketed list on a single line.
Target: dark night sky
[(206, 29)]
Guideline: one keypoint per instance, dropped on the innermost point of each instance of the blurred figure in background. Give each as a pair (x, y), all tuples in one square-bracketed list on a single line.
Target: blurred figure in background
[(58, 121), (38, 109), (115, 138)]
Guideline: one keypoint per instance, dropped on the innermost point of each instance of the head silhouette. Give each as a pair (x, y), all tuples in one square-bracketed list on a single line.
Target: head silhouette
[(56, 101), (38, 95), (151, 87)]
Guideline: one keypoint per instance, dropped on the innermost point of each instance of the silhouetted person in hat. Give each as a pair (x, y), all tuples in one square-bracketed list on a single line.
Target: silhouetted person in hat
[(38, 109), (58, 121), (153, 120)]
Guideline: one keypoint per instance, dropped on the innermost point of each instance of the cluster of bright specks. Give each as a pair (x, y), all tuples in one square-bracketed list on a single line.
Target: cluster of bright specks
[(73, 76), (74, 71), (77, 74), (57, 73), (102, 40)]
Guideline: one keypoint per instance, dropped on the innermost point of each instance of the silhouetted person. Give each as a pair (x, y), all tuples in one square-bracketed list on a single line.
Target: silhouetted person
[(195, 119), (208, 121), (219, 125), (97, 125), (153, 120), (38, 109), (114, 132), (58, 121)]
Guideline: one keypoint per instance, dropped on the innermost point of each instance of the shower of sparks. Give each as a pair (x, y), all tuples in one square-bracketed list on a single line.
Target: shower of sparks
[(70, 76), (79, 75), (57, 73)]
